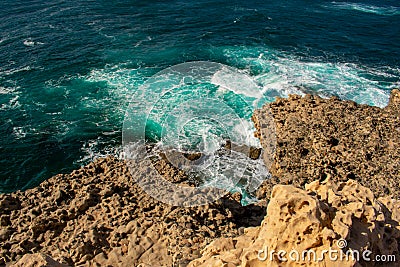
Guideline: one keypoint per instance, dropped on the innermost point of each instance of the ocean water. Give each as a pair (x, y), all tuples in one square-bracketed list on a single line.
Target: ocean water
[(69, 69)]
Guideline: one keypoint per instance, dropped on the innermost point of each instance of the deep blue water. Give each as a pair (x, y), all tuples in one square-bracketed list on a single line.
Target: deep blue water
[(68, 69)]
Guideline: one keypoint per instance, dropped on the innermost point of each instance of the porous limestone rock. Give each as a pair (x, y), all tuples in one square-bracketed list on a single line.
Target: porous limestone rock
[(38, 260), (316, 138), (326, 216), (98, 216)]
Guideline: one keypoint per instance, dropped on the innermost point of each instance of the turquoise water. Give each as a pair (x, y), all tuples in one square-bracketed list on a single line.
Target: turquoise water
[(196, 107), (68, 70)]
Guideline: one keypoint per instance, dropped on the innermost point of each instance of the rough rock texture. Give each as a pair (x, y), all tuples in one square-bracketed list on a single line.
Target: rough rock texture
[(314, 219), (317, 138), (38, 260), (99, 216)]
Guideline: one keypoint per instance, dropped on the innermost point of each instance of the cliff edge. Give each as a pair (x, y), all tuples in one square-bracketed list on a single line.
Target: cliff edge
[(319, 138), (328, 153)]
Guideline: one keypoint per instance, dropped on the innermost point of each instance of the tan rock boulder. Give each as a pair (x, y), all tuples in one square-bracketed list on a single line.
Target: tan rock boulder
[(325, 225)]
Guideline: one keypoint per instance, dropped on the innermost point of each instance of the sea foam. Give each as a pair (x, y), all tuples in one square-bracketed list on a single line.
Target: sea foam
[(377, 10)]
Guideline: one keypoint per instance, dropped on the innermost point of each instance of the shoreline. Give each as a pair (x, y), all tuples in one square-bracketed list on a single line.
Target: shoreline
[(99, 215)]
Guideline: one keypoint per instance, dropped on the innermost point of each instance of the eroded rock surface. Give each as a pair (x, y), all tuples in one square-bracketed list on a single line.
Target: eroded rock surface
[(317, 138), (38, 260), (317, 219), (98, 215)]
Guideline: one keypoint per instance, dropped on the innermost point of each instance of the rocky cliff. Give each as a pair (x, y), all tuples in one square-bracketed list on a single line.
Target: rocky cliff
[(327, 153), (98, 215), (319, 138), (340, 217)]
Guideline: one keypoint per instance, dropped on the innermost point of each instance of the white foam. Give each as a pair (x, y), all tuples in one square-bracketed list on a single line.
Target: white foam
[(6, 91), (12, 104), (121, 83), (236, 82), (19, 132), (281, 74), (232, 171), (92, 151), (126, 80), (247, 174), (30, 43), (15, 70), (244, 132), (378, 10), (284, 74)]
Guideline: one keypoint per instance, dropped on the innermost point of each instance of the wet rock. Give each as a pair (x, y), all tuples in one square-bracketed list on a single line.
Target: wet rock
[(249, 151)]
